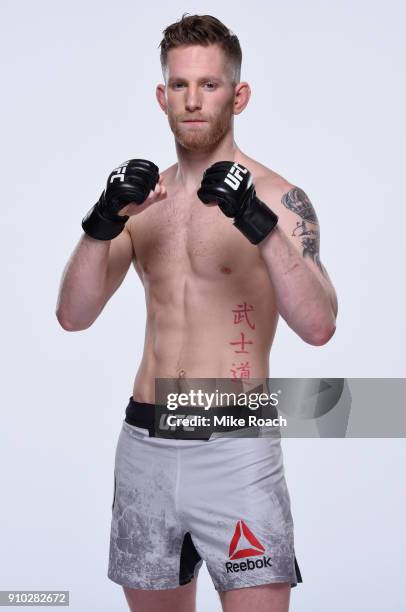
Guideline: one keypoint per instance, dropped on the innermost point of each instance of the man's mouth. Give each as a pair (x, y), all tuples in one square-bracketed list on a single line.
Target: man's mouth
[(194, 124)]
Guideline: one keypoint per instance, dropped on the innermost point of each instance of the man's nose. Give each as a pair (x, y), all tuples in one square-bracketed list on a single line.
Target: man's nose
[(193, 99)]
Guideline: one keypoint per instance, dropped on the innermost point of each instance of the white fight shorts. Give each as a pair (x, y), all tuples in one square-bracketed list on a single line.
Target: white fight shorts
[(178, 503)]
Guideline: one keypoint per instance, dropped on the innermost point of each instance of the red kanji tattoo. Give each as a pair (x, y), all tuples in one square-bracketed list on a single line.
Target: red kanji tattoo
[(242, 342), (243, 368), (242, 314)]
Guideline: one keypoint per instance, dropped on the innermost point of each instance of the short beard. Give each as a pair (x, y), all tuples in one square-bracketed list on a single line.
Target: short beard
[(203, 139)]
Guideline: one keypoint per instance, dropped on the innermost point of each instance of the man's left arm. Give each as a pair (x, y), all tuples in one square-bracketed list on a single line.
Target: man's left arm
[(306, 298)]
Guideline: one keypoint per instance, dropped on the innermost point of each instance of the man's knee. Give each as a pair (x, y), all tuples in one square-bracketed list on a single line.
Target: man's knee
[(262, 598), (180, 599)]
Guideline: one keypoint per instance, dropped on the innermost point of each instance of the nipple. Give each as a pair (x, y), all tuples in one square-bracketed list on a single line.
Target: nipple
[(225, 269)]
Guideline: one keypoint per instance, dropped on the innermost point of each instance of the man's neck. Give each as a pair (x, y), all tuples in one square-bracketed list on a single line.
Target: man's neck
[(192, 164)]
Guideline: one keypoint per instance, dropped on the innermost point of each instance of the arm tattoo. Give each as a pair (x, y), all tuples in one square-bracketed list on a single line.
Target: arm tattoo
[(297, 201)]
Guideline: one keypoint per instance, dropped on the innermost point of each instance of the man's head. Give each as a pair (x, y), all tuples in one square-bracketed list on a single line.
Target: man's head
[(201, 66)]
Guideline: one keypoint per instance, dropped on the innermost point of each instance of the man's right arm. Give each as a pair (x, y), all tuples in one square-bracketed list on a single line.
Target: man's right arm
[(100, 261), (93, 273)]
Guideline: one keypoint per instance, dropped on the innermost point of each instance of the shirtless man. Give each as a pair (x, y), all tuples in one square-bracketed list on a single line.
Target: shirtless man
[(208, 263)]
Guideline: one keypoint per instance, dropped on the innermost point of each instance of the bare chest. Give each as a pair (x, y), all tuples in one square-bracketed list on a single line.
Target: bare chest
[(177, 235)]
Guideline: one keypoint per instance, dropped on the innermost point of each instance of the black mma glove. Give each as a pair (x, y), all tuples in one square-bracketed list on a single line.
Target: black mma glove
[(229, 185), (130, 182)]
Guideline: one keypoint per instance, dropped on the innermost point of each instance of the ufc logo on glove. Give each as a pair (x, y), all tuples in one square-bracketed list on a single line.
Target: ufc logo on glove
[(234, 178), (120, 172)]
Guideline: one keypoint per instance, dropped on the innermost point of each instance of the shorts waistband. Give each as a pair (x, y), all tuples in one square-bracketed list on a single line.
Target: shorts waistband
[(142, 414)]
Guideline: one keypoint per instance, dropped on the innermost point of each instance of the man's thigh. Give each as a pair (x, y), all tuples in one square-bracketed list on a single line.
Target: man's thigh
[(238, 513), (263, 598), (180, 599)]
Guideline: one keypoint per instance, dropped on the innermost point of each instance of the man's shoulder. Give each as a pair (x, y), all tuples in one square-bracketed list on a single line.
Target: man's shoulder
[(267, 180), (270, 186), (266, 177), (169, 172)]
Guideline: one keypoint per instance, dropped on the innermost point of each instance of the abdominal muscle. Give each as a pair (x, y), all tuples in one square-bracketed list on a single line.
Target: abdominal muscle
[(202, 328)]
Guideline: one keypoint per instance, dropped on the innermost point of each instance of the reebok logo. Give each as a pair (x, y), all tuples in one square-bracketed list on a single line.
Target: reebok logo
[(245, 544), (237, 548), (234, 178), (248, 565)]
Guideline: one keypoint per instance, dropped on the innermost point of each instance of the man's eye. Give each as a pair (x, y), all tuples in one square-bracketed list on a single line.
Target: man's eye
[(209, 85)]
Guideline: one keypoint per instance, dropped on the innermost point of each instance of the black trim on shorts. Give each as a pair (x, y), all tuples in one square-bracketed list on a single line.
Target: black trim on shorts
[(297, 570), (189, 558)]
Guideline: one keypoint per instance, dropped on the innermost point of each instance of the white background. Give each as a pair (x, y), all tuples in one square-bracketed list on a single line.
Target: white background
[(326, 113)]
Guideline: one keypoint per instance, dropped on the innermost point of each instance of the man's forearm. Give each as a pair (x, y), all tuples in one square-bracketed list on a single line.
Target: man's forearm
[(82, 291), (304, 299)]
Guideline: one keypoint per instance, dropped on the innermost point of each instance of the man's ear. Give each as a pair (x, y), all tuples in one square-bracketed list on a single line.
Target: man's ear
[(242, 96), (160, 96)]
